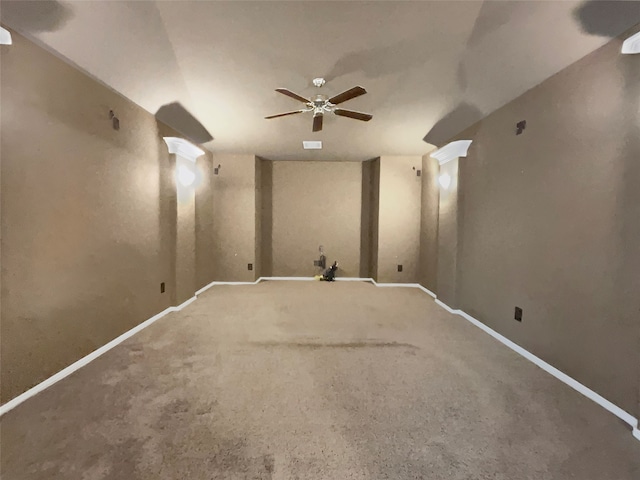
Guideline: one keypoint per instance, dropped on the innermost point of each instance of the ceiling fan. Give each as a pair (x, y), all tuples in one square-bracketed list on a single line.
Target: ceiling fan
[(319, 104)]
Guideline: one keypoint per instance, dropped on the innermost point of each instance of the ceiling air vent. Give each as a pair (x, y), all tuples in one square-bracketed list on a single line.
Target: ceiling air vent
[(312, 144)]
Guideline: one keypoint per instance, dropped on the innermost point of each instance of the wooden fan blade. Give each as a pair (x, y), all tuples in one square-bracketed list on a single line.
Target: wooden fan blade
[(289, 93), (365, 117), (285, 114), (348, 95), (317, 122)]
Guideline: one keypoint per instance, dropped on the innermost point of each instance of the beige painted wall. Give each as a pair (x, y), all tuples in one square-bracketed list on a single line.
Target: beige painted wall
[(374, 210), (185, 237), (399, 219), (257, 248), (234, 222), (552, 223), (448, 239), (204, 222), (316, 203), (264, 206), (88, 216), (430, 200), (365, 221)]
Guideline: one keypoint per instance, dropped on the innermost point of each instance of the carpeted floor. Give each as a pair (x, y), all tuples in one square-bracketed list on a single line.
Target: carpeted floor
[(311, 380)]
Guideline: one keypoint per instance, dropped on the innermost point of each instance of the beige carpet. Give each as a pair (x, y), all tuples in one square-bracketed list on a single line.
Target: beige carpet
[(297, 380)]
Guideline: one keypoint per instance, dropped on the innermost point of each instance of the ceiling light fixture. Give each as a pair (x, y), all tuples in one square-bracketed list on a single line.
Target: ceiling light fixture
[(452, 150), (632, 44), (312, 144), (186, 155), (5, 37), (444, 180), (185, 176), (179, 146)]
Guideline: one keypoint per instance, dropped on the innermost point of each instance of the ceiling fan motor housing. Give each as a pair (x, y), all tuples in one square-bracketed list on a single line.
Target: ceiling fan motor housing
[(321, 105)]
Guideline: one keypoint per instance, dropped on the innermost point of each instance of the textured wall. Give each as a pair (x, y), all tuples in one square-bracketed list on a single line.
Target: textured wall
[(430, 198), (316, 203), (257, 267), (374, 210), (264, 175), (234, 223), (204, 222), (552, 223), (185, 238), (368, 218), (449, 219), (88, 216), (399, 219)]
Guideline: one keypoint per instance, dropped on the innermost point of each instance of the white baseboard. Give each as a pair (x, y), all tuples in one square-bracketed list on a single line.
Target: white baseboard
[(427, 291), (213, 284), (287, 279), (311, 279), (446, 307), (184, 304), (563, 377), (406, 285), (587, 392)]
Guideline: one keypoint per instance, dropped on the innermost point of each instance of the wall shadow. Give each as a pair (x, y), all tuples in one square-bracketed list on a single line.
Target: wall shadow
[(177, 117), (607, 18), (36, 16), (461, 117), (391, 59)]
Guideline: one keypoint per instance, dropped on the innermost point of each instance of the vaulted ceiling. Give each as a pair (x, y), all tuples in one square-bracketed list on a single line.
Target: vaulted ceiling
[(430, 68)]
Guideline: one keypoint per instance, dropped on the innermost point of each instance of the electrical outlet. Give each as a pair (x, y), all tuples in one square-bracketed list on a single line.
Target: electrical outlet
[(399, 268), (250, 266), (518, 314), (162, 287)]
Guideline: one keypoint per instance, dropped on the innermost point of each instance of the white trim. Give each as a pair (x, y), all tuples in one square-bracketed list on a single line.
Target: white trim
[(213, 284), (407, 285), (293, 279), (353, 279), (446, 307), (184, 304), (427, 291), (451, 150), (636, 432), (563, 377), (5, 37), (185, 149), (632, 44)]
